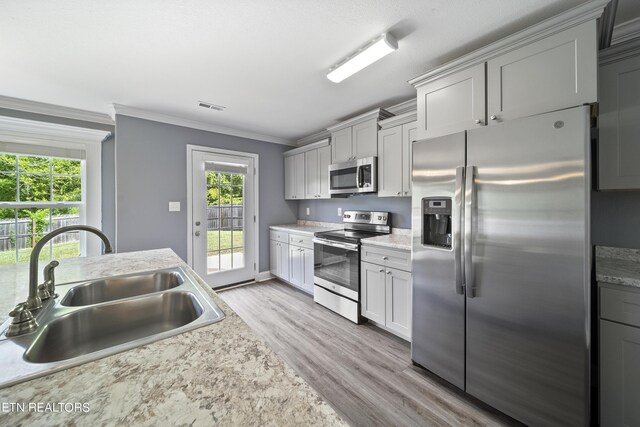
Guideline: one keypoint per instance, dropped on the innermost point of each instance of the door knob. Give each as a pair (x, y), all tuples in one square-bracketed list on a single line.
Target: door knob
[(494, 117), (197, 233), (197, 222)]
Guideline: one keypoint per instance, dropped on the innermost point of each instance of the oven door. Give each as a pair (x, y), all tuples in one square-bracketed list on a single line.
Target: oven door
[(343, 178), (336, 267)]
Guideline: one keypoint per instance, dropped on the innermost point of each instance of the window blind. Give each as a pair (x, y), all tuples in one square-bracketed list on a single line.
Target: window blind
[(40, 150), (220, 167)]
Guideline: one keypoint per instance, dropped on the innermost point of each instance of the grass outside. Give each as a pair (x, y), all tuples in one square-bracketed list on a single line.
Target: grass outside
[(60, 251), (224, 240)]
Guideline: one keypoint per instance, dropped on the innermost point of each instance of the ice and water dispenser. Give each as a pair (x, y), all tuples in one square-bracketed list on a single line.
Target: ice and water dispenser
[(436, 222)]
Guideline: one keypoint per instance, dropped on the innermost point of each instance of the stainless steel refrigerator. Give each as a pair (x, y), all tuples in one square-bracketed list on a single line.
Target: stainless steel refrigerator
[(501, 264)]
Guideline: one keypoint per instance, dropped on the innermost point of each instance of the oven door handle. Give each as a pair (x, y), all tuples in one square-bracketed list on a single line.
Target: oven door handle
[(347, 246)]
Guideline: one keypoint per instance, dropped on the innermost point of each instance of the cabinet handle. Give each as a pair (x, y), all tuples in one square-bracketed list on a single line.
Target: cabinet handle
[(381, 270), (478, 121), (385, 258), (388, 272), (300, 241), (494, 117), (398, 193), (406, 192)]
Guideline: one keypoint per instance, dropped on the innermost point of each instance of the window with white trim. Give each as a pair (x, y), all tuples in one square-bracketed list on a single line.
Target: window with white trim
[(40, 190), (50, 176)]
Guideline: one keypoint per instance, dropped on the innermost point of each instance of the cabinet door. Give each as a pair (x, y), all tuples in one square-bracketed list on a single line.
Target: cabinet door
[(298, 160), (341, 145), (273, 257), (619, 374), (618, 145), (307, 264), (289, 178), (557, 72), (373, 292), (452, 103), (390, 162), (365, 139), (398, 300), (324, 160), (312, 175), (296, 268), (409, 134), (283, 260)]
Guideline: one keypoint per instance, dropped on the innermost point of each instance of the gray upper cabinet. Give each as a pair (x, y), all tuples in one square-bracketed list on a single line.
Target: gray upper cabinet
[(341, 149), (394, 155), (317, 163), (365, 139), (556, 72), (618, 144), (452, 103), (294, 179), (357, 137), (550, 66)]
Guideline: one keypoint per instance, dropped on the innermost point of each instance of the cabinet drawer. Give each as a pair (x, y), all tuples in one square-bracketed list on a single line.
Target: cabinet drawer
[(388, 257), (620, 306), (301, 240), (279, 236)]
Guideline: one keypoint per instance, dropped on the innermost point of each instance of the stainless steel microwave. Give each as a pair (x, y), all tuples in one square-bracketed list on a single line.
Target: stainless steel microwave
[(355, 176)]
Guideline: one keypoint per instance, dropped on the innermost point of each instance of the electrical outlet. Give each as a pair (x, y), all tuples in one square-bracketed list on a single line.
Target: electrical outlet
[(340, 212), (308, 211)]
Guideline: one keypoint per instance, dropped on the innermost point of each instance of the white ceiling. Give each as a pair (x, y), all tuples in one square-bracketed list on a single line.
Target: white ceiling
[(266, 61)]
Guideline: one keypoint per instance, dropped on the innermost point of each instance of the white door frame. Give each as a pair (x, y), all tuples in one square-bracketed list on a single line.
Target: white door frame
[(212, 150)]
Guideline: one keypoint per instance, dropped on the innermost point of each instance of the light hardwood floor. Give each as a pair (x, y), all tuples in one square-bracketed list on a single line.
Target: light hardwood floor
[(365, 373)]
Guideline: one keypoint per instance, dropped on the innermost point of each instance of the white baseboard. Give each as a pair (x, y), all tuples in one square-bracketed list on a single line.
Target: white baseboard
[(264, 275)]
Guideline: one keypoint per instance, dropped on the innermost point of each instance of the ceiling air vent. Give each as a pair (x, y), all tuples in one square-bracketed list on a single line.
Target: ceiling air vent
[(211, 106)]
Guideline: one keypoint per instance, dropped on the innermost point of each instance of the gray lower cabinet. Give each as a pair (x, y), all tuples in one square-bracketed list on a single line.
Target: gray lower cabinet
[(301, 267), (279, 253), (386, 294), (619, 127), (619, 356)]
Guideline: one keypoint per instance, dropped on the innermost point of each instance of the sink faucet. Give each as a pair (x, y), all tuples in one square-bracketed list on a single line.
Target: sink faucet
[(33, 301)]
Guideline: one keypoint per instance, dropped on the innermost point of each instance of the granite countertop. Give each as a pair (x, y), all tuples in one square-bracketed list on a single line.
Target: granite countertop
[(218, 374), (308, 227), (620, 266), (400, 238)]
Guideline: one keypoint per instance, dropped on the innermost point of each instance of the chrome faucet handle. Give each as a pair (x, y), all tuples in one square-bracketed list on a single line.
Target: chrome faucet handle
[(49, 277), (23, 321), (43, 291)]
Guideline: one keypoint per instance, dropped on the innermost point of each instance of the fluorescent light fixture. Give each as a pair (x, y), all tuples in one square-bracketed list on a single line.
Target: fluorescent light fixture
[(380, 47)]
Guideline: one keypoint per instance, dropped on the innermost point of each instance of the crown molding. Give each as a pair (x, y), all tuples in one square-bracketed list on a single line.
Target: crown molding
[(319, 144), (578, 15), (619, 51), (29, 131), (626, 31), (54, 110), (404, 107), (378, 114), (318, 136), (399, 120), (124, 110)]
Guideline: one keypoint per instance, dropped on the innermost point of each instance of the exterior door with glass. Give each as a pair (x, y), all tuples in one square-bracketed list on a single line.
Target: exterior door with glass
[(223, 217)]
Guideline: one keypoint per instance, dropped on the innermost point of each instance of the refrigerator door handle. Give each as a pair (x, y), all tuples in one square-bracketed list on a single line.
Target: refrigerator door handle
[(468, 230), (457, 229)]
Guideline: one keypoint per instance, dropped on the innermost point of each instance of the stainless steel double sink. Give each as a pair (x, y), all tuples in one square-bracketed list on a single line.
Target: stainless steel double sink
[(102, 317)]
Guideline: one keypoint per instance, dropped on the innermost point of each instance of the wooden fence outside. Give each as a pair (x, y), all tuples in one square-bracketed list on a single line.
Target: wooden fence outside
[(225, 217), (22, 236)]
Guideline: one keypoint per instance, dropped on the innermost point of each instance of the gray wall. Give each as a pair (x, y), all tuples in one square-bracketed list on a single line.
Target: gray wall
[(615, 218), (151, 170), (109, 189), (327, 210)]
